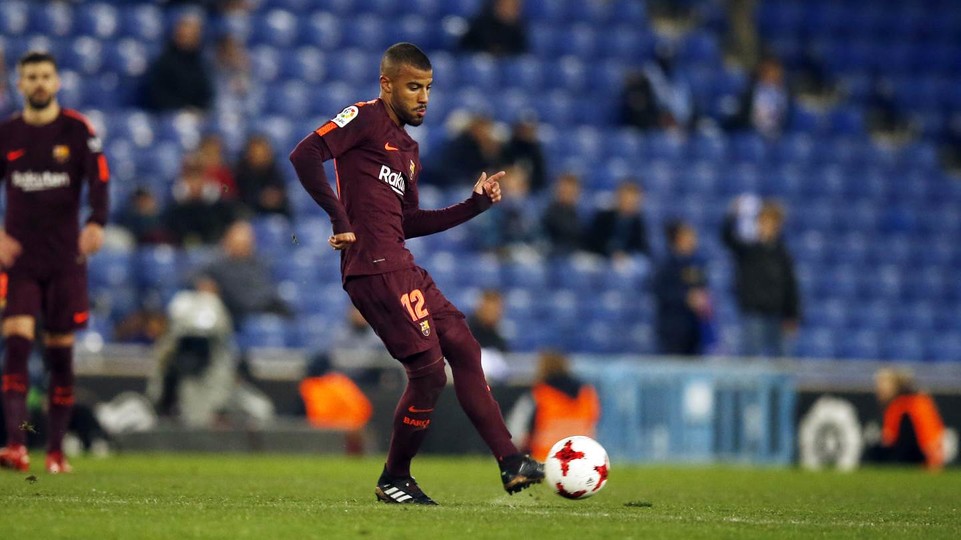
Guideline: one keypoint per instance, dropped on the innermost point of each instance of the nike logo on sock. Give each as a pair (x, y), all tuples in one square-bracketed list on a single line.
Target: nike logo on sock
[(416, 410)]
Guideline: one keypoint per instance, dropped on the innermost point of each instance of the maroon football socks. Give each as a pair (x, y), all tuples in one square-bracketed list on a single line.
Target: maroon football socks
[(59, 396), (15, 385), (425, 381)]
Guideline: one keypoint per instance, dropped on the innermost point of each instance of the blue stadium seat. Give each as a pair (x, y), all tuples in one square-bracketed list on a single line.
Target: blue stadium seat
[(479, 71), (413, 29), (263, 331), (158, 266), (367, 32), (111, 268), (142, 21), (14, 18), (626, 42), (323, 30), (51, 19), (100, 20)]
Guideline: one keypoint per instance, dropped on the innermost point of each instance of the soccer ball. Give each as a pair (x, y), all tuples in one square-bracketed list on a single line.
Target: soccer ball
[(576, 467)]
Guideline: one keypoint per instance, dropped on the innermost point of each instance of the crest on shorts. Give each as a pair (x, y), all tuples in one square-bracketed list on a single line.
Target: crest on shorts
[(425, 328), (61, 153)]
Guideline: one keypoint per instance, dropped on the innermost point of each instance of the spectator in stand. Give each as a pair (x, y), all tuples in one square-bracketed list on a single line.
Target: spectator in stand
[(559, 405), (638, 103), (524, 151), (210, 154), (358, 351), (886, 122), (498, 29), (680, 287), (485, 321), (741, 39), (8, 103), (145, 326), (475, 148), (142, 217), (260, 183), (234, 83), (560, 222), (333, 401), (766, 287), (510, 229), (912, 430), (766, 107), (241, 278), (951, 145), (671, 90), (198, 214), (621, 231), (179, 78)]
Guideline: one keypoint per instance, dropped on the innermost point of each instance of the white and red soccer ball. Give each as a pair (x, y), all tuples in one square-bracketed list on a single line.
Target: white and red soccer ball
[(576, 467)]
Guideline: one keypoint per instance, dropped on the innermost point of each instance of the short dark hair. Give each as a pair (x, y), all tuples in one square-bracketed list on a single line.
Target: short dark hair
[(404, 54), (37, 57), (672, 230)]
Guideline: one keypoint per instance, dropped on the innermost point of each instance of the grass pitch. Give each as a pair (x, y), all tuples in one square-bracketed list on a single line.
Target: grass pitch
[(236, 497)]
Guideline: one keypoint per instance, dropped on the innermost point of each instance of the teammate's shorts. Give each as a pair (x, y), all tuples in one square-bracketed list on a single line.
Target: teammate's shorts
[(60, 298), (402, 307)]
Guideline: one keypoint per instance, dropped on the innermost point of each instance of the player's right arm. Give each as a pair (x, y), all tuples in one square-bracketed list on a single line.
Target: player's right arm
[(9, 246)]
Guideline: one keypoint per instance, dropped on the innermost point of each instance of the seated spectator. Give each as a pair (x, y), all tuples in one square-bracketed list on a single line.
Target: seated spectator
[(236, 88), (498, 29), (671, 90), (510, 229), (680, 287), (766, 107), (210, 154), (179, 78), (241, 278), (358, 351), (886, 123), (333, 401), (475, 148), (912, 429), (559, 405), (523, 150), (260, 184), (621, 232), (485, 321), (560, 222), (143, 219), (639, 107), (198, 214)]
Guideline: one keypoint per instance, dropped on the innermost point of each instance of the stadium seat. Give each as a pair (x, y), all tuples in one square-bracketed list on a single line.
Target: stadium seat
[(100, 20), (263, 331)]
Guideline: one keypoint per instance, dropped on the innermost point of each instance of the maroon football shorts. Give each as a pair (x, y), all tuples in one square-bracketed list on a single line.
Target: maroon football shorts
[(60, 298), (402, 307)]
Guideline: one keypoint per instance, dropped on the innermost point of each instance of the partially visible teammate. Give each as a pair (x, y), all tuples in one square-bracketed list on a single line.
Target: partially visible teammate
[(377, 166), (46, 154)]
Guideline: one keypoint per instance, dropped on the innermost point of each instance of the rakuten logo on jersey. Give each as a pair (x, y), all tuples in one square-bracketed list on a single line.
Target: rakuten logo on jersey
[(33, 181), (393, 179)]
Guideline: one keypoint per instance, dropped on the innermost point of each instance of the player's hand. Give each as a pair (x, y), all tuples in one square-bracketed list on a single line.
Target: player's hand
[(342, 241), (490, 185), (9, 249), (91, 239)]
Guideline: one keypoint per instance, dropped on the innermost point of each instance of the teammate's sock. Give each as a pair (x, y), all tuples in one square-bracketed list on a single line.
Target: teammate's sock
[(425, 381), (464, 355), (60, 396), (15, 385)]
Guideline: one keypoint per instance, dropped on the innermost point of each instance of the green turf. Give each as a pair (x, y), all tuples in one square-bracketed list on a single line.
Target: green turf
[(164, 496)]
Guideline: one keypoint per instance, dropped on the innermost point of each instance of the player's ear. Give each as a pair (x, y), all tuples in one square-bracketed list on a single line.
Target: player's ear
[(385, 84)]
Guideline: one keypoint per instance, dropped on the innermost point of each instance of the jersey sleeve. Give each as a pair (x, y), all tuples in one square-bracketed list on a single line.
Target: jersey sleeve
[(346, 130), (96, 171)]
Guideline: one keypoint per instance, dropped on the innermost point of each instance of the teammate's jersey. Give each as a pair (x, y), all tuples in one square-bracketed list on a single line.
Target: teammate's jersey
[(44, 168), (377, 166)]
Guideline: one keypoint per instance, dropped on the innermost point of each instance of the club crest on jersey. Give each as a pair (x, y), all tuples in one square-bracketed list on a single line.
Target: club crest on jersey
[(425, 328), (345, 116), (393, 179), (61, 153)]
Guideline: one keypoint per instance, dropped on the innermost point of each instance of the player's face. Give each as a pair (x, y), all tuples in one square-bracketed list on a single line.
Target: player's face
[(39, 84), (408, 92)]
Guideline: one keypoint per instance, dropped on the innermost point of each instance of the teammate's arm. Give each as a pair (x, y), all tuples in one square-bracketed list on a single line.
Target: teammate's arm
[(308, 159), (417, 222)]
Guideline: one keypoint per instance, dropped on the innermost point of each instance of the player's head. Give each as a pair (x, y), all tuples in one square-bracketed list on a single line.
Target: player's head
[(37, 79), (405, 80)]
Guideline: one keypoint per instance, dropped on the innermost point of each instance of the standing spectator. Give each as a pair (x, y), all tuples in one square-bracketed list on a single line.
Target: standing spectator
[(671, 89), (241, 278), (680, 286), (210, 154), (260, 184), (485, 322), (766, 107), (198, 214), (143, 218), (912, 429), (523, 150), (620, 232), (560, 221), (498, 29), (179, 78), (766, 287), (559, 405), (474, 148), (333, 401)]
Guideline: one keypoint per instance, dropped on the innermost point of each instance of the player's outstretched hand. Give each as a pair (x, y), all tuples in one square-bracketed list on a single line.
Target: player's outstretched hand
[(342, 240), (9, 249), (490, 185), (91, 239)]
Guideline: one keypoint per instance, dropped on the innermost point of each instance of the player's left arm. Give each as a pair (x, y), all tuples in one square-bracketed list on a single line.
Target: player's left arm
[(417, 222), (98, 177)]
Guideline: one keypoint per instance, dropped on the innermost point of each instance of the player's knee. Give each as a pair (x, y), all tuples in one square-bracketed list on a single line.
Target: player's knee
[(18, 325), (427, 370), (58, 340)]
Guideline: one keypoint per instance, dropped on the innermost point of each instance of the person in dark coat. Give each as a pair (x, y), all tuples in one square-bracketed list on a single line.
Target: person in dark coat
[(680, 287), (620, 231), (179, 78), (498, 29)]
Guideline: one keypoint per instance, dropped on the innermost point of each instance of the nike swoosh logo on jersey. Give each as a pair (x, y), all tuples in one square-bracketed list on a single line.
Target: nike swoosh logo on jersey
[(416, 410), (390, 148), (16, 154)]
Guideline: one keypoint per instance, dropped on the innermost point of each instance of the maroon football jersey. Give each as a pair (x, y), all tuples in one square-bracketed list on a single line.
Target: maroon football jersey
[(44, 168)]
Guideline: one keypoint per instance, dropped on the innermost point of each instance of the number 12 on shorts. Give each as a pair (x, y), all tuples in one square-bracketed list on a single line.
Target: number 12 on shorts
[(414, 302)]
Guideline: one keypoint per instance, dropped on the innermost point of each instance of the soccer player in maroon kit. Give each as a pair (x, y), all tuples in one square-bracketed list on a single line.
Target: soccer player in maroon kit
[(46, 155), (377, 165)]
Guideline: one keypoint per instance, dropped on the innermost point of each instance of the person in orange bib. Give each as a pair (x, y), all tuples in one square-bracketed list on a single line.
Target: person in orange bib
[(333, 401), (559, 405), (912, 429)]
